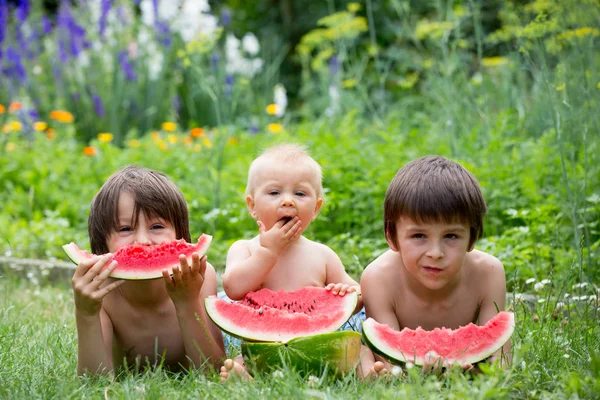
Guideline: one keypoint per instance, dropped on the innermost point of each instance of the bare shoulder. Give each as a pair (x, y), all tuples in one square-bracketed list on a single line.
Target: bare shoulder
[(381, 270), (483, 263), (240, 245)]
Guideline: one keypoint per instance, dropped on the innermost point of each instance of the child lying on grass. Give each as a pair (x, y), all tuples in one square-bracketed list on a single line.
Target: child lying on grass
[(142, 322), (284, 194), (431, 276)]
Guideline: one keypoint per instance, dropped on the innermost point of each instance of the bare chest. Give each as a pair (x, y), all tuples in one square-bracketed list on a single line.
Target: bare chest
[(146, 335), (297, 268), (459, 310)]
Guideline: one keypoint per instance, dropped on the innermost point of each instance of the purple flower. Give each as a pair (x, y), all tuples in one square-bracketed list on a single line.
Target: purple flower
[(214, 61), (15, 68), (176, 103), (22, 10), (3, 21), (126, 66), (228, 85), (225, 17), (98, 106), (33, 114), (254, 128), (72, 34), (105, 6), (75, 97), (163, 33), (46, 25), (334, 66)]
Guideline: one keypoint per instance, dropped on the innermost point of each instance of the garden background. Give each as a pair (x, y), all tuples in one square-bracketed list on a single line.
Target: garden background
[(510, 89)]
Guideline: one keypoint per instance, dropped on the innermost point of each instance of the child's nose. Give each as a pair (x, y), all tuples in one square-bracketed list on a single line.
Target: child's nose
[(287, 201), (142, 237), (435, 250)]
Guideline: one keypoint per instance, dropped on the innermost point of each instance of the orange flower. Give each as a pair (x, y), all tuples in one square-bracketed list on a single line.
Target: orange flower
[(15, 106), (169, 126), (62, 116), (155, 135), (233, 141), (10, 146), (50, 133), (89, 151), (2, 109), (188, 140), (197, 132)]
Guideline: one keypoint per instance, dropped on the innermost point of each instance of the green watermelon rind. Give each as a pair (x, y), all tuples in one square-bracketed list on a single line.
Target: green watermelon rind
[(335, 352), (76, 255), (398, 356), (256, 336)]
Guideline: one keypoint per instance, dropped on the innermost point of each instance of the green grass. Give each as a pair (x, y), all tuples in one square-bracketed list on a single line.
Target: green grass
[(39, 350)]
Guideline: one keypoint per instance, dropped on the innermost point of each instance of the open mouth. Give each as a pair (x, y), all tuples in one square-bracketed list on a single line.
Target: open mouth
[(432, 270), (286, 219)]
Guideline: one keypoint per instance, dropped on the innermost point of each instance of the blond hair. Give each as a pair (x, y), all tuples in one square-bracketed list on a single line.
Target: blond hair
[(286, 153)]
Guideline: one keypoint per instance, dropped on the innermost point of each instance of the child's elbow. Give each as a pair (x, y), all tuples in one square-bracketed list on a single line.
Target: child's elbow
[(233, 292)]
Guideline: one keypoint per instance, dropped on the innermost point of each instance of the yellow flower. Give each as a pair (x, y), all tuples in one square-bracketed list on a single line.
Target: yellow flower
[(162, 145), (40, 126), (15, 106), (62, 116), (272, 109), (105, 137), (428, 63), (169, 126), (197, 147), (172, 139), (89, 151), (50, 134), (494, 61), (349, 83), (10, 146), (133, 143), (275, 128), (207, 142), (197, 132), (16, 125), (598, 85), (2, 109), (155, 135), (233, 141), (561, 87), (354, 7)]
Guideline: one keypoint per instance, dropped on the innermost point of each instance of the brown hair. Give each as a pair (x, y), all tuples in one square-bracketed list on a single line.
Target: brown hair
[(154, 195), (288, 153), (434, 189)]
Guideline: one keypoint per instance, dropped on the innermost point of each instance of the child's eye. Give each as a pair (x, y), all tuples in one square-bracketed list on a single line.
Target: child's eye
[(124, 229), (418, 236), (274, 192), (300, 194), (157, 226), (452, 236)]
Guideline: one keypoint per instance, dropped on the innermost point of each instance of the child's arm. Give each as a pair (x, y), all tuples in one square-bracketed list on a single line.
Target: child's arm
[(245, 271), (338, 280), (94, 328), (188, 287), (494, 301)]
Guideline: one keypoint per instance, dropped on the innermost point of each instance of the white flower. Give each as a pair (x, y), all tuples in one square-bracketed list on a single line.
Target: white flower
[(313, 381), (538, 286), (281, 101), (541, 300), (250, 44), (334, 98), (546, 281), (530, 280), (396, 370), (566, 356), (409, 365), (583, 298), (560, 305), (592, 298), (575, 298), (278, 374), (567, 295), (37, 70), (518, 297)]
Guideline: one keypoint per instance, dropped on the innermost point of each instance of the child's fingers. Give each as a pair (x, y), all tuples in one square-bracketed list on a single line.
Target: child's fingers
[(99, 279), (184, 267), (261, 227), (330, 286), (93, 272), (84, 266), (202, 267), (176, 275)]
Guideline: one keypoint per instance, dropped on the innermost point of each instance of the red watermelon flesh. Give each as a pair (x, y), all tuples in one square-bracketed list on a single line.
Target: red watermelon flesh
[(268, 316), (138, 262), (465, 345)]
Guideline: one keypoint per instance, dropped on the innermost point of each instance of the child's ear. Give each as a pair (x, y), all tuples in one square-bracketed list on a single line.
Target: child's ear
[(250, 205), (317, 208), (390, 242)]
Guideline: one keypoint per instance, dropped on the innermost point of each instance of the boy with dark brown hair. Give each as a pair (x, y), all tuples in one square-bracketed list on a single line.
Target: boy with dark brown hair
[(142, 322), (431, 276)]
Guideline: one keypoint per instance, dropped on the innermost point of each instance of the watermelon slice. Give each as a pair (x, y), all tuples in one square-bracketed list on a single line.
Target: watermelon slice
[(337, 352), (138, 262), (267, 316), (465, 345)]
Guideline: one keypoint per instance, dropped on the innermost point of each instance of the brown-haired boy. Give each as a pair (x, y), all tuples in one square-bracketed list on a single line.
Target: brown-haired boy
[(431, 276), (140, 322)]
